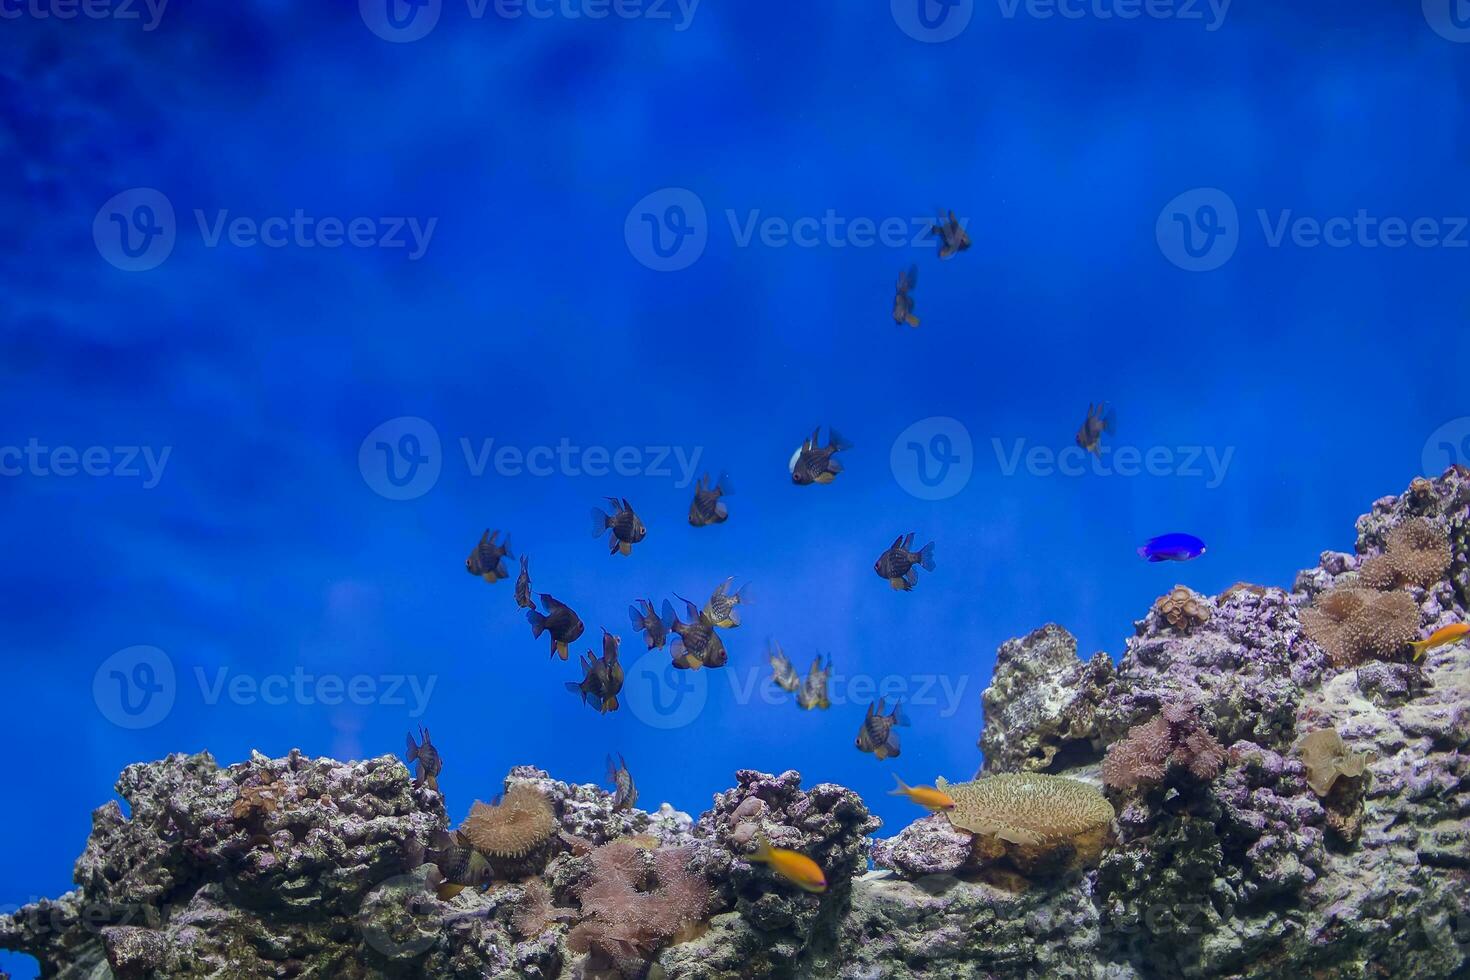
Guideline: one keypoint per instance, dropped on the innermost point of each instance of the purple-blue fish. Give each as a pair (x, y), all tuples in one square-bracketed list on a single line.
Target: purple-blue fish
[(1172, 547)]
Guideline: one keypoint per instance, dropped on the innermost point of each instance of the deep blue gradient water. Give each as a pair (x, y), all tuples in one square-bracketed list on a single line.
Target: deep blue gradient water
[(262, 549)]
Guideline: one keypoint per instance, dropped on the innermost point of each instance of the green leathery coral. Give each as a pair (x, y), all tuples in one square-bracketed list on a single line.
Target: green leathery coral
[(1027, 808)]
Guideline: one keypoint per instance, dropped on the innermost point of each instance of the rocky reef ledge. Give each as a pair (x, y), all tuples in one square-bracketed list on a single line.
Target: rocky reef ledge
[(1290, 783)]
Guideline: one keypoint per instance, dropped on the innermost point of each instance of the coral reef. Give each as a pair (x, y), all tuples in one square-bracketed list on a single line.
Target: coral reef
[(1182, 608), (1292, 800)]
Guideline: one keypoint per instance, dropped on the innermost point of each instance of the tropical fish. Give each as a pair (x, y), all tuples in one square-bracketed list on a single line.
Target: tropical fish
[(815, 464), (646, 621), (695, 643), (953, 238), (485, 560), (721, 610), (707, 508), (460, 865), (877, 734), (794, 866), (1100, 419), (1172, 547), (1440, 637), (627, 529), (782, 671), (813, 693), (559, 621), (427, 757), (602, 678), (523, 585), (926, 796), (897, 563), (626, 794), (903, 303)]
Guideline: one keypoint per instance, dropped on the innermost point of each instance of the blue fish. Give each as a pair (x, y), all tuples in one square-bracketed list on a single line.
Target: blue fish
[(1172, 547)]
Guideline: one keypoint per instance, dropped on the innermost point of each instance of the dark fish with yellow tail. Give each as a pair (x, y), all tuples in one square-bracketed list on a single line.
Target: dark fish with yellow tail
[(707, 508), (721, 610), (877, 734), (813, 463), (695, 643), (428, 760), (813, 693), (486, 560), (523, 585), (903, 303), (602, 678), (1100, 420), (953, 239), (626, 527), (934, 800), (625, 794), (782, 671), (897, 564), (647, 622), (558, 621), (460, 865), (794, 866)]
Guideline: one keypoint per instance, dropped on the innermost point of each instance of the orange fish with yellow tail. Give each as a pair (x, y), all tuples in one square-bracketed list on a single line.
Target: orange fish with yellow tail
[(1440, 637), (928, 797), (794, 866)]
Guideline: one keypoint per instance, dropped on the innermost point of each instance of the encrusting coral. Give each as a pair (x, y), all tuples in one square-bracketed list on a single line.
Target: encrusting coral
[(1183, 608), (1326, 757), (1417, 553), (1354, 624), (513, 828), (1175, 737)]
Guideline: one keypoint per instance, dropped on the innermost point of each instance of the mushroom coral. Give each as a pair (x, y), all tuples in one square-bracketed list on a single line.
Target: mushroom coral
[(1183, 608), (518, 825), (1326, 757), (1417, 552), (1027, 808), (1353, 624)]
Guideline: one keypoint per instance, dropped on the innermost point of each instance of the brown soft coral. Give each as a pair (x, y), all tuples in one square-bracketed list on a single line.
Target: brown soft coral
[(1353, 624), (537, 910), (1175, 737), (1183, 608), (635, 901), (521, 823), (1417, 553), (260, 800)]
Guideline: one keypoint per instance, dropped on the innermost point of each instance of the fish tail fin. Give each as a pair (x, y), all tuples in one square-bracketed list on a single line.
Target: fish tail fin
[(506, 545), (1143, 552), (599, 522), (926, 557), (668, 616), (762, 852), (612, 769), (899, 718), (611, 704), (835, 440), (575, 688), (636, 616), (538, 623), (1419, 647), (1109, 417), (413, 748), (902, 789), (911, 320), (724, 485)]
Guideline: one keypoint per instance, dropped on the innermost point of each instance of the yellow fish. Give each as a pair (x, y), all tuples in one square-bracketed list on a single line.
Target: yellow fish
[(1440, 637), (925, 796), (794, 866)]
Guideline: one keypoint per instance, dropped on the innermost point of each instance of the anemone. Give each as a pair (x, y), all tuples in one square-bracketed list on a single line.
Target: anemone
[(1417, 552), (515, 827), (1354, 624)]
